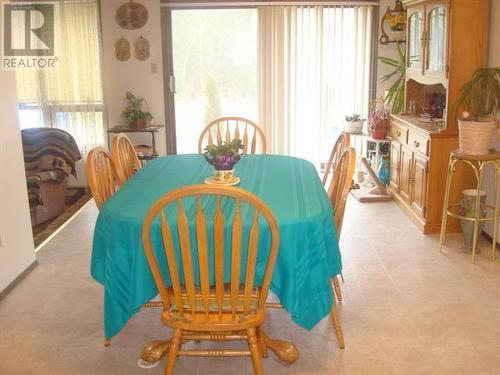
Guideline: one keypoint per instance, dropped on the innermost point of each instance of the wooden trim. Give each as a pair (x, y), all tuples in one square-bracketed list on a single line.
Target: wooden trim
[(18, 280)]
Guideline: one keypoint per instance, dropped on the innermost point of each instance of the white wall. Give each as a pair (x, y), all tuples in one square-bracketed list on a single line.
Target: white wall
[(493, 60), (16, 240), (389, 51), (133, 75)]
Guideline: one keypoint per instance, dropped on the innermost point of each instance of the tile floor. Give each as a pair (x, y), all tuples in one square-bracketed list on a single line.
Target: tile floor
[(407, 310)]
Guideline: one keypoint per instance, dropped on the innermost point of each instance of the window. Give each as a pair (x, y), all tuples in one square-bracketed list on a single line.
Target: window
[(70, 96), (215, 68), (315, 65)]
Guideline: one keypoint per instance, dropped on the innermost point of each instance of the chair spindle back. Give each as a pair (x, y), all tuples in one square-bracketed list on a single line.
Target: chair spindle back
[(124, 157), (342, 142), (229, 128), (341, 184), (100, 175), (197, 295)]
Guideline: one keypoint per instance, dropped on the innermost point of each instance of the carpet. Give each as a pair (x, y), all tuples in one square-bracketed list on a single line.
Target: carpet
[(46, 229)]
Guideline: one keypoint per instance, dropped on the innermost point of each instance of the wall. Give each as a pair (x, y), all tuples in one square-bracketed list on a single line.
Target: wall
[(389, 51), (16, 241), (144, 79), (493, 60)]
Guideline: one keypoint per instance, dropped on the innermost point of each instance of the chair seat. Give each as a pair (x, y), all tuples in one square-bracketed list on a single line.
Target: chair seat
[(172, 316)]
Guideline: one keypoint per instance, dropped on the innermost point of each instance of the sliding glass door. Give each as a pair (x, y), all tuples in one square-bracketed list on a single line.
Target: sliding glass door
[(214, 58)]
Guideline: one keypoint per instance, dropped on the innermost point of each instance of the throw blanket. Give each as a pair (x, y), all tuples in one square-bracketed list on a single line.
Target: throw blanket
[(47, 150)]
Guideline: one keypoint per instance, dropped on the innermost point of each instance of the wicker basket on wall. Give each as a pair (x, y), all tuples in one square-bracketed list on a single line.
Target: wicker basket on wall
[(475, 136)]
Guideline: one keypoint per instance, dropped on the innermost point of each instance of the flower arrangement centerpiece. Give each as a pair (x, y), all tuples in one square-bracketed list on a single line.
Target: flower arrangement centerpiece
[(223, 158)]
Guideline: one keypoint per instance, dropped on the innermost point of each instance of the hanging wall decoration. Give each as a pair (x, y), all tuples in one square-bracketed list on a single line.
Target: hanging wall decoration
[(396, 20), (131, 15), (122, 49), (141, 49)]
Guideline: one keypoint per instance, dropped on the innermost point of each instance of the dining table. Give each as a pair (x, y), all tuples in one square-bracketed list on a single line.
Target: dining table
[(308, 255)]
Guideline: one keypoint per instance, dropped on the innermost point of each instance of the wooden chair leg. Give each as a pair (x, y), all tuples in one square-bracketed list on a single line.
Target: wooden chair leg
[(338, 328), (336, 288), (262, 342), (175, 345), (254, 350)]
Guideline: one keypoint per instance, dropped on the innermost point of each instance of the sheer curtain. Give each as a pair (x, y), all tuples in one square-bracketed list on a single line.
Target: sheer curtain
[(315, 68), (68, 97)]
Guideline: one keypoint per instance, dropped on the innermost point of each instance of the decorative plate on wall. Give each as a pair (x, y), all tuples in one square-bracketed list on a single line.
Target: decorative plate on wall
[(122, 49), (141, 49), (131, 16)]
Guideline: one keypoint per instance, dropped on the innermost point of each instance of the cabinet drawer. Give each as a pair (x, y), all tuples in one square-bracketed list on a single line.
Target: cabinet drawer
[(398, 132), (418, 142)]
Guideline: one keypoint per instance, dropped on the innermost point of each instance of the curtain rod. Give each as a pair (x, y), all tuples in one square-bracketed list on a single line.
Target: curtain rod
[(189, 4)]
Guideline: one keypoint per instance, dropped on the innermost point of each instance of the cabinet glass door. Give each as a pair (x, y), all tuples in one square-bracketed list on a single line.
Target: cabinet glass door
[(415, 29), (437, 37)]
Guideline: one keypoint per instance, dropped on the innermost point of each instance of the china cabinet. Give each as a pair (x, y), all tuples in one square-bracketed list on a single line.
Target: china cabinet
[(446, 43)]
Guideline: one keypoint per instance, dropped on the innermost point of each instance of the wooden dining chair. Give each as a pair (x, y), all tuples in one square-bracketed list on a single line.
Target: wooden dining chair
[(229, 128), (100, 175), (202, 302), (338, 190), (341, 144), (124, 158)]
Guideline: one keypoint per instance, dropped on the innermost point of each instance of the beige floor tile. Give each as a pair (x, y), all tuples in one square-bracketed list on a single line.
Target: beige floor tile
[(408, 310)]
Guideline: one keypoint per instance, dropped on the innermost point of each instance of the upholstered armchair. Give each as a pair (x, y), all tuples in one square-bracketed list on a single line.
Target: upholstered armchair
[(49, 158)]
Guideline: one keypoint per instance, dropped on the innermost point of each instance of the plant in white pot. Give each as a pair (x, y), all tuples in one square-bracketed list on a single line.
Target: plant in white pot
[(354, 124), (479, 99)]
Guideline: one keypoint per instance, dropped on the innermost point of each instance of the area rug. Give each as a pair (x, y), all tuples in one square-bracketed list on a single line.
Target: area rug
[(45, 230)]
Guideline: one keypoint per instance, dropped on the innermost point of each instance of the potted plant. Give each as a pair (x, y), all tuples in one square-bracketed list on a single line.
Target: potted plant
[(479, 99), (224, 157), (354, 124), (133, 113), (378, 119)]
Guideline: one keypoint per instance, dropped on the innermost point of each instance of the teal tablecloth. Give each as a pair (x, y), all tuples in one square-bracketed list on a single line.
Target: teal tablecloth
[(308, 255)]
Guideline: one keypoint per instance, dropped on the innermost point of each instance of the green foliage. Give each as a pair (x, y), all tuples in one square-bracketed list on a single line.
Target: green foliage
[(226, 149), (480, 97), (352, 118), (133, 111), (396, 93), (212, 99)]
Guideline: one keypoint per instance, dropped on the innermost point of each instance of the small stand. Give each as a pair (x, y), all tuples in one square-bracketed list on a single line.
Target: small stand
[(152, 129), (478, 164)]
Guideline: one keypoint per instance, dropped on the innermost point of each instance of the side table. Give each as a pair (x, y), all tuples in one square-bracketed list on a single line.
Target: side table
[(478, 165), (152, 129)]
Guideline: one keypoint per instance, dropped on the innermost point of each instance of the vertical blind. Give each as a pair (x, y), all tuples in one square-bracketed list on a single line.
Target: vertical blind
[(315, 68), (70, 96)]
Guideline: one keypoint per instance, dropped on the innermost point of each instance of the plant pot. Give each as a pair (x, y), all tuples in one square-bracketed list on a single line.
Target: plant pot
[(379, 134), (139, 124), (468, 209), (354, 127), (474, 137), (223, 176)]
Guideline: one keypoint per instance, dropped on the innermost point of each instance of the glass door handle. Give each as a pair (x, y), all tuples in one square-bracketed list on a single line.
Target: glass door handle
[(171, 84)]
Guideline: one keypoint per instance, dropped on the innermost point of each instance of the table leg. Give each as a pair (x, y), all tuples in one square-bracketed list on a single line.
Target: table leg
[(286, 351), (155, 350)]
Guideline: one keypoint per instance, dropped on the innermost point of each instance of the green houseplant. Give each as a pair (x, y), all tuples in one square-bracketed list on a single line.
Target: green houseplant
[(396, 93), (224, 157), (479, 100), (133, 113)]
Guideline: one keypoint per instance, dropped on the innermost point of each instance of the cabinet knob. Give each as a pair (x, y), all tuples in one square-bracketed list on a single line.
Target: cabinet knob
[(416, 144)]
